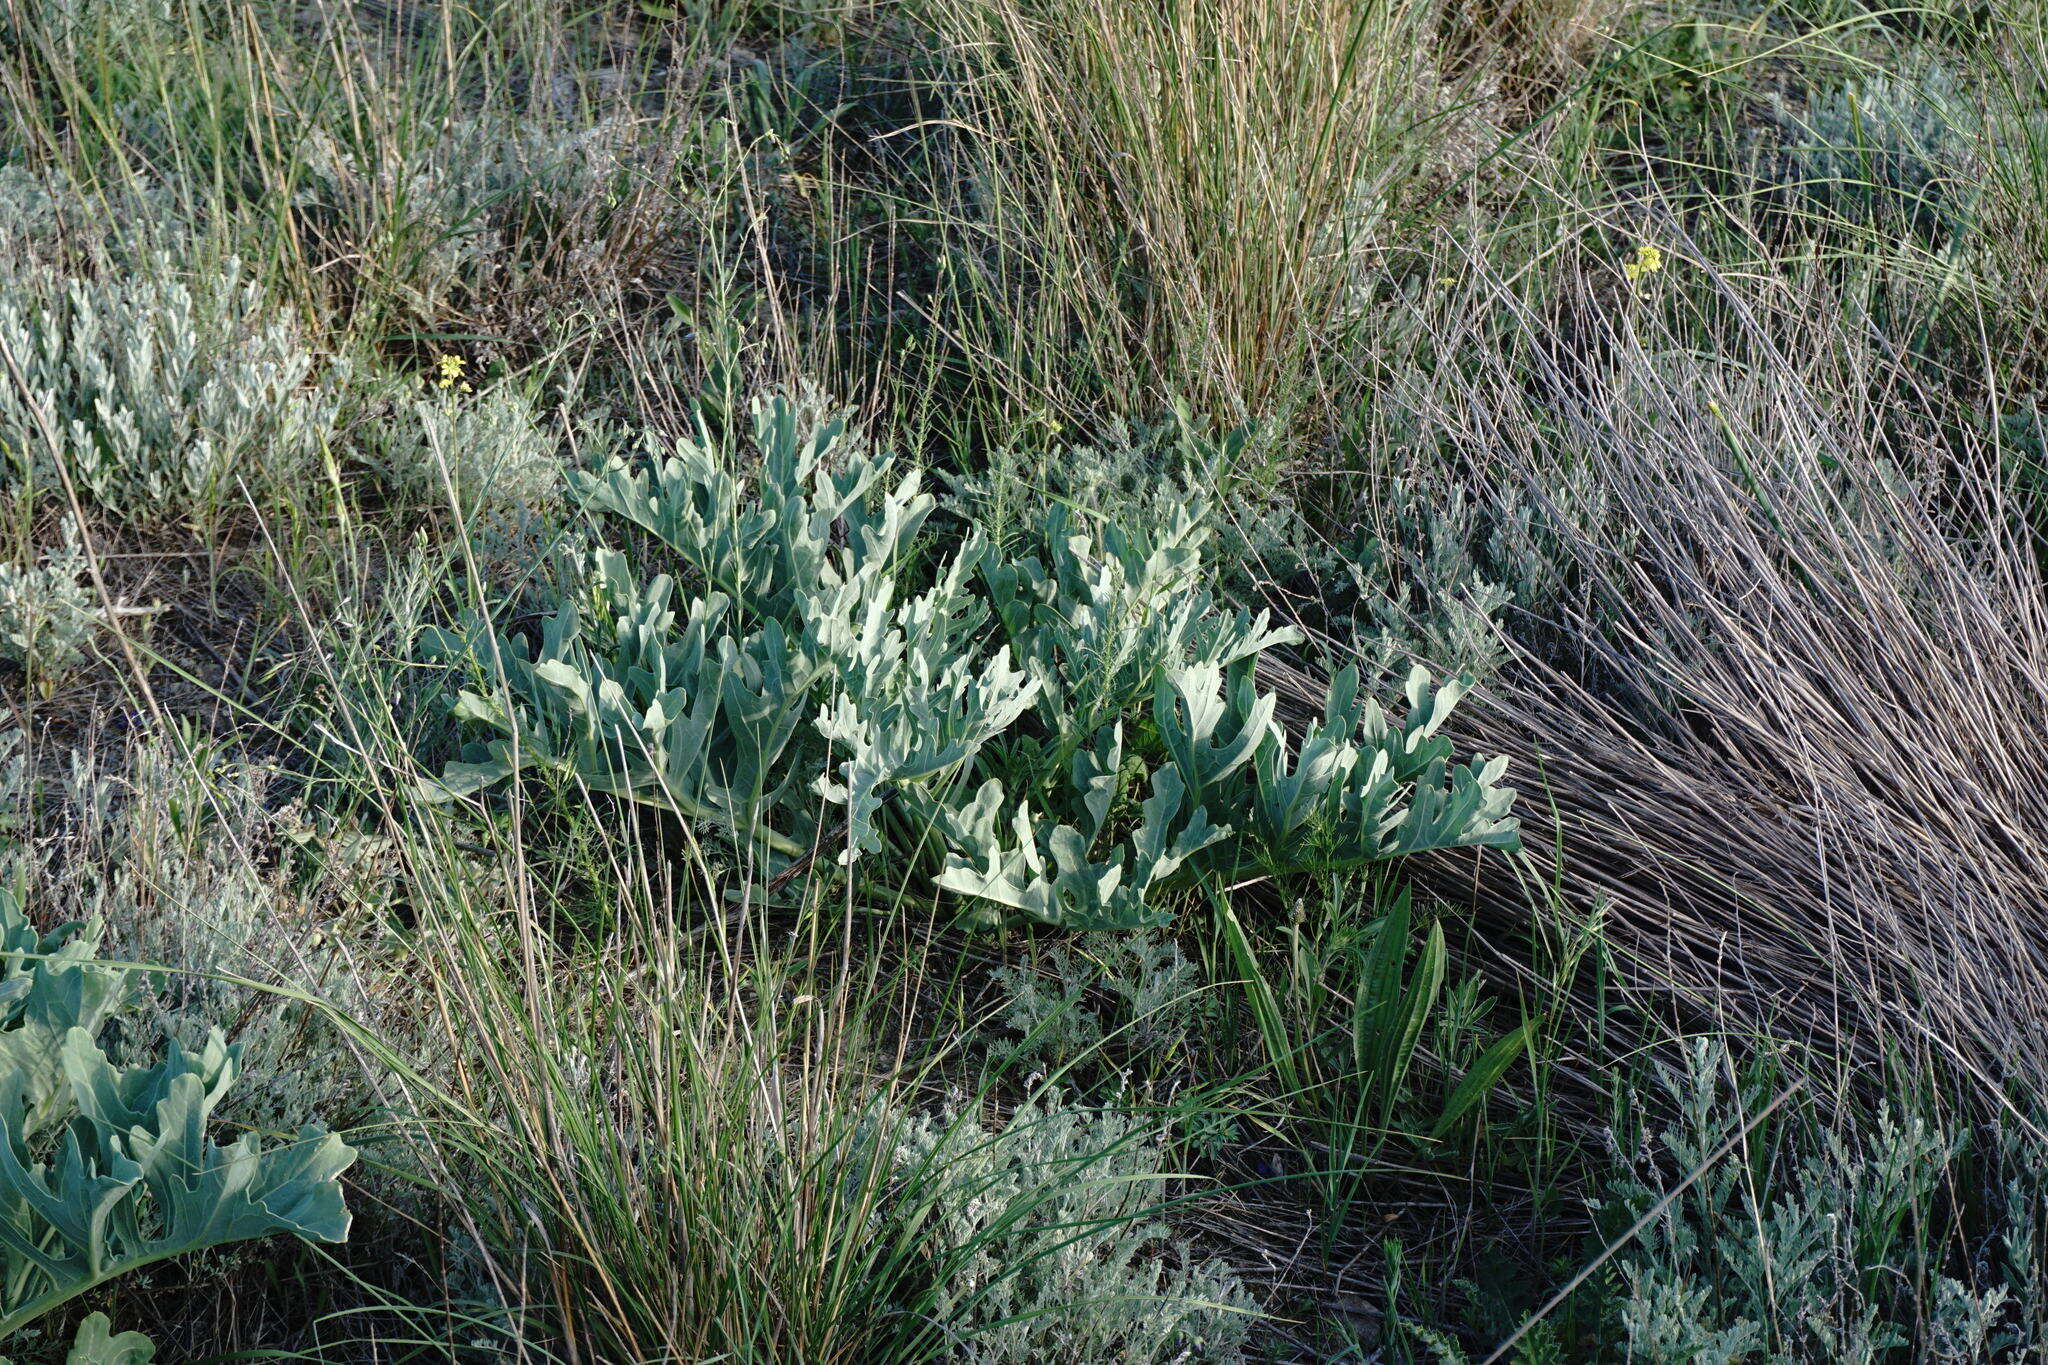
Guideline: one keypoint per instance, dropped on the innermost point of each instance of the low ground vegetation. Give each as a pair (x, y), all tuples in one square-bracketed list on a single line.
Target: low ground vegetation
[(1002, 680)]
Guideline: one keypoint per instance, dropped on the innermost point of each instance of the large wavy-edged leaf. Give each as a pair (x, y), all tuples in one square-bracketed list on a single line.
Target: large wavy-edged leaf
[(136, 1178), (1212, 729), (913, 698), (49, 985), (1462, 807), (1046, 872), (1105, 618), (98, 1344)]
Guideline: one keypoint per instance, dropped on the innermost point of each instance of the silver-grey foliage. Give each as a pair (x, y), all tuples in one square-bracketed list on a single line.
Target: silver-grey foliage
[(48, 613), (1048, 1246), (792, 650), (165, 395), (1726, 1275), (1899, 140)]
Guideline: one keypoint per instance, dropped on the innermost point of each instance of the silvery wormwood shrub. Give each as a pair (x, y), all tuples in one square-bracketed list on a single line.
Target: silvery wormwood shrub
[(1786, 1269), (791, 659), (30, 209), (1044, 1243), (1138, 990), (499, 212), (48, 614), (76, 22), (487, 452), (167, 395), (1908, 141)]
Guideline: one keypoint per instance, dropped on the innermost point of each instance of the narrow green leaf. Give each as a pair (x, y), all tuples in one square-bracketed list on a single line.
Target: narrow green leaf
[(1484, 1074)]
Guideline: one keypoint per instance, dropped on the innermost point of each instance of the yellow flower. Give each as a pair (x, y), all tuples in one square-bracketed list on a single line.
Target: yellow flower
[(448, 371), (1649, 260)]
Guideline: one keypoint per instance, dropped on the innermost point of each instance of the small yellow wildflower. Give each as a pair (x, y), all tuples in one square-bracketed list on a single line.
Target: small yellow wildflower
[(448, 372), (1649, 260)]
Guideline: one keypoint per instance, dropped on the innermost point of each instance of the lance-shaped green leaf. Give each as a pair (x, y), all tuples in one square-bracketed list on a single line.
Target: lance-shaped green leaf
[(1484, 1074)]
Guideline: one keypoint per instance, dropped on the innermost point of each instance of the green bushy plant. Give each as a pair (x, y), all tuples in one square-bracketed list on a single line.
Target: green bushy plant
[(828, 645), (48, 614), (1044, 1244), (167, 394), (2020, 1205), (801, 621), (1896, 143), (1342, 1013), (1814, 1260)]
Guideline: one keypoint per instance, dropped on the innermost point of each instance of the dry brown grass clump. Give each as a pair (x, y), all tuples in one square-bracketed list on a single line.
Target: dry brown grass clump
[(1786, 701)]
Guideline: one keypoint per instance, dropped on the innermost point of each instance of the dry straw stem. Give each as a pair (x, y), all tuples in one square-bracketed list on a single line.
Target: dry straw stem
[(1188, 189), (1792, 725)]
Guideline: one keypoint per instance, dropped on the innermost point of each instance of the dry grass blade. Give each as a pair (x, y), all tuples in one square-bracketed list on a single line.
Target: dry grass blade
[(1792, 724)]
